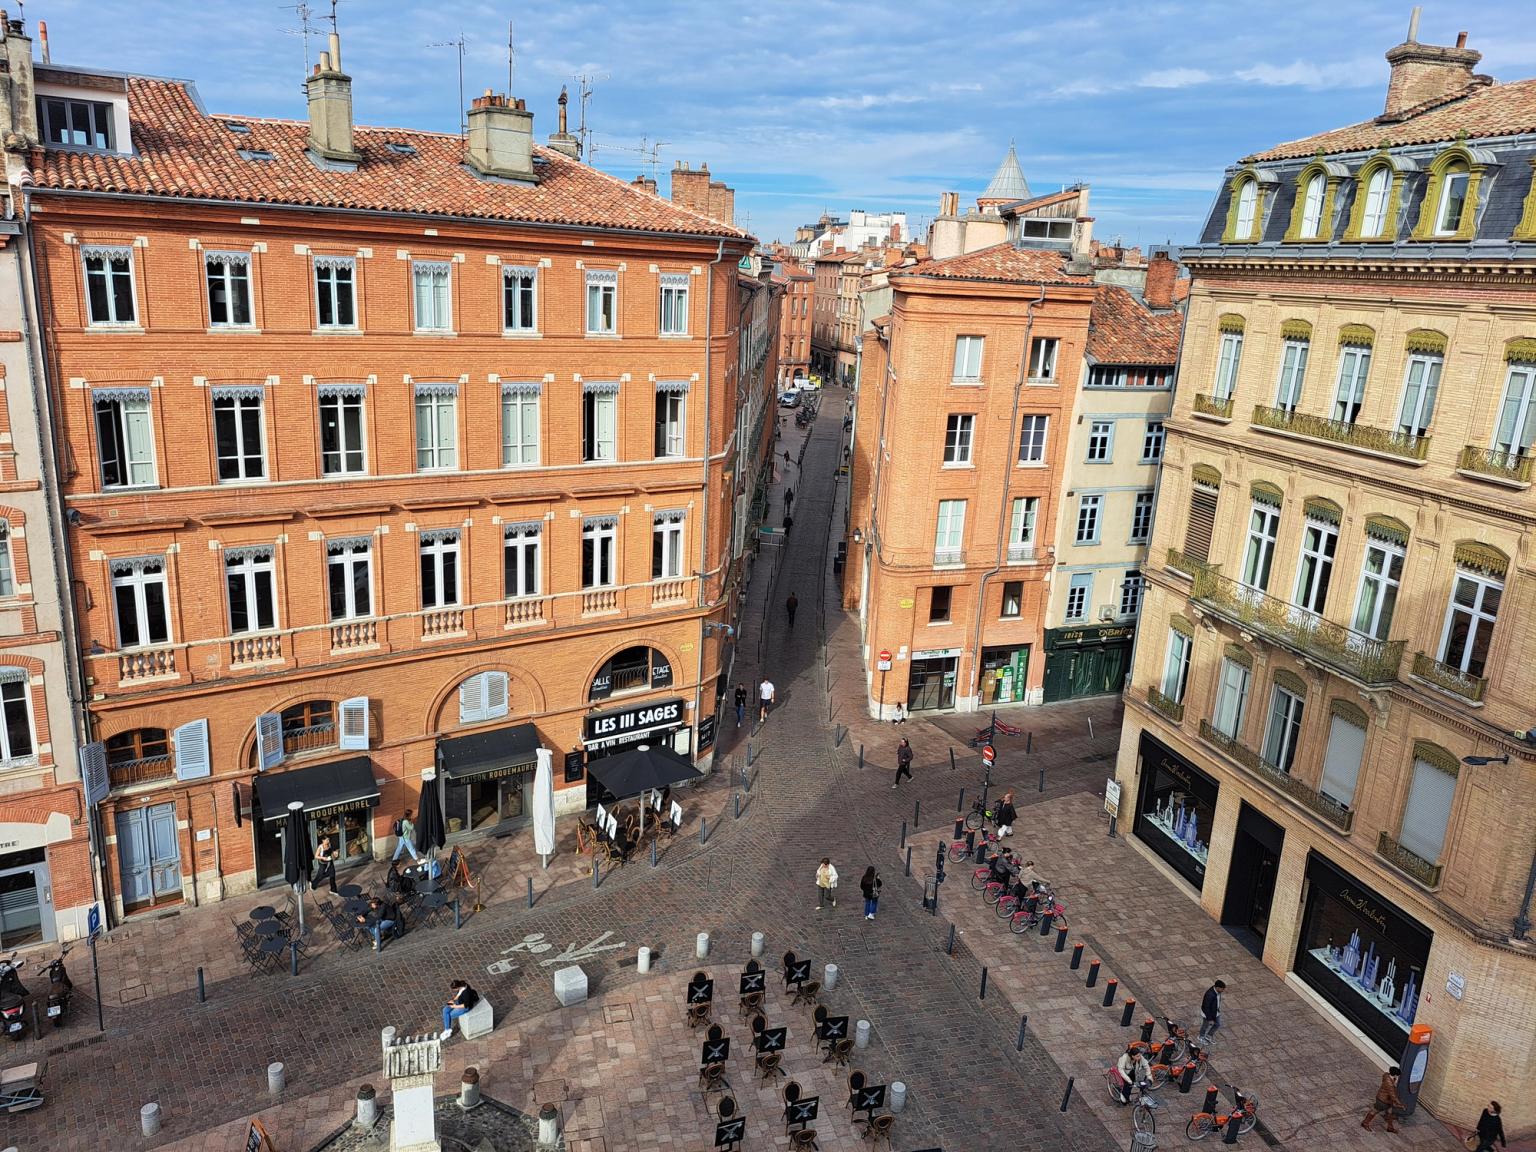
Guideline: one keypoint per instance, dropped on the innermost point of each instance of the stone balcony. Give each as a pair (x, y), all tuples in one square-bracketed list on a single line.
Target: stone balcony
[(1354, 655), (1362, 437)]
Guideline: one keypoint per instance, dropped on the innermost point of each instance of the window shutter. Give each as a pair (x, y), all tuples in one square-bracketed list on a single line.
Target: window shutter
[(354, 723), (1341, 762), (190, 742), (495, 694), (93, 769), (1428, 811), (1202, 524), (269, 740), (472, 699)]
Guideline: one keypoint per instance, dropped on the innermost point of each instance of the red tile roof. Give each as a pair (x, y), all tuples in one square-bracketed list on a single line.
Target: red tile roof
[(1001, 262), (182, 152), (1123, 330), (1482, 111)]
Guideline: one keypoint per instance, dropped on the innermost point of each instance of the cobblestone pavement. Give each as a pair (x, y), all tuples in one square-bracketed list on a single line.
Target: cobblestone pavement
[(623, 1067)]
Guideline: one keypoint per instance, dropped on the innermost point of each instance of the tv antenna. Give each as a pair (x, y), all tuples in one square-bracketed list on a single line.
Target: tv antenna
[(458, 45), (306, 28), (648, 151), (511, 56), (584, 91)]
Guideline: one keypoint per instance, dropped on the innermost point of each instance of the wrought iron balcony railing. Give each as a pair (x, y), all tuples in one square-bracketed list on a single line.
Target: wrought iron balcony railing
[(1339, 815), (1382, 440), (1452, 680), (1172, 709), (1514, 467), (1213, 406), (1406, 860)]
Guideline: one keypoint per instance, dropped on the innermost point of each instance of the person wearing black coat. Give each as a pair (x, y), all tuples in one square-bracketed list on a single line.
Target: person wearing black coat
[(903, 761), (1006, 814), (870, 886), (1490, 1127), (1210, 1009)]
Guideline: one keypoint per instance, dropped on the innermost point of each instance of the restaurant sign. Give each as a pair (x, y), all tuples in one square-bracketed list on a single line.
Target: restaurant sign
[(1088, 635), (620, 723)]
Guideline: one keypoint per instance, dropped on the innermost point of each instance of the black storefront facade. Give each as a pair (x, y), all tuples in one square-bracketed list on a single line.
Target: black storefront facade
[(653, 722), (1091, 660), (487, 778), (1175, 808), (1363, 955), (338, 797)]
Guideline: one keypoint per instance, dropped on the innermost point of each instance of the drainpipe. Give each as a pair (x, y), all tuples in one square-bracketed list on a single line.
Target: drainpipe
[(872, 537), (704, 503), (1002, 511), (1523, 921)]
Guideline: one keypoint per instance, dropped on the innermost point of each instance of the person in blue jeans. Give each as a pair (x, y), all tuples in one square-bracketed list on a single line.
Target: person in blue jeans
[(405, 830), (741, 704), (463, 999), (381, 918)]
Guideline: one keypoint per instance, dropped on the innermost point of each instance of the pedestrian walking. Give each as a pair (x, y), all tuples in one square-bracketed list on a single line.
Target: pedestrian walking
[(1386, 1100), (741, 704), (405, 834), (826, 884), (1006, 814), (325, 864), (765, 694), (1210, 1011), (870, 886), (903, 761), (461, 1000), (1490, 1127), (789, 498), (789, 608), (786, 457), (789, 522)]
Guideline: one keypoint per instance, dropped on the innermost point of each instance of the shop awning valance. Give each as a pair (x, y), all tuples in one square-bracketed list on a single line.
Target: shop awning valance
[(512, 748), (320, 786)]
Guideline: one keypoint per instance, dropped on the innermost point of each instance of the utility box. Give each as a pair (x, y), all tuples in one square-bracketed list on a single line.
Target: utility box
[(1414, 1063)]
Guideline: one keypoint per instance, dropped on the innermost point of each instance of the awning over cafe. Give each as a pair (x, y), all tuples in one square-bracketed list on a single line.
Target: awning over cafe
[(506, 751), (340, 784)]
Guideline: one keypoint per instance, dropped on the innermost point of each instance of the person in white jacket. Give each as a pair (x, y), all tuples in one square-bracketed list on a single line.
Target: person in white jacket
[(826, 884)]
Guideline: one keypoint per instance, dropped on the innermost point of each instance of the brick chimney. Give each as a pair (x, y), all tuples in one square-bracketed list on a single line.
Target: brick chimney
[(562, 141), (722, 202), (1162, 275), (690, 186), (500, 137), (644, 183), (329, 90), (1426, 72), (18, 102)]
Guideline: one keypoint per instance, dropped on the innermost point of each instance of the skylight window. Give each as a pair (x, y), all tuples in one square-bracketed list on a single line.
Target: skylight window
[(256, 154), (239, 127), (402, 149)]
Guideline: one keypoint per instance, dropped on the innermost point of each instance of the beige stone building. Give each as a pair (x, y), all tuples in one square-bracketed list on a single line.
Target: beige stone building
[(1326, 730)]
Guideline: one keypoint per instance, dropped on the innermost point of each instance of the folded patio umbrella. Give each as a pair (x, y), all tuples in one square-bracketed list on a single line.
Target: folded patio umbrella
[(298, 856)]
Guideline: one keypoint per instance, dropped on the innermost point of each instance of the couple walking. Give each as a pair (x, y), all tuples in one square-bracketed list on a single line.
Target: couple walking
[(826, 887)]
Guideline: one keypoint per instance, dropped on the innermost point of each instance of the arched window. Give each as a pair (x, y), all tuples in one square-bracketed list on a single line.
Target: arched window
[(309, 727), (632, 670), (1312, 206), (138, 755), (1453, 198), (1374, 221), (1247, 208)]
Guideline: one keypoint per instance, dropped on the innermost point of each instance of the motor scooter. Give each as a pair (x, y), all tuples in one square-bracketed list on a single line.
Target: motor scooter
[(60, 989), (13, 999)]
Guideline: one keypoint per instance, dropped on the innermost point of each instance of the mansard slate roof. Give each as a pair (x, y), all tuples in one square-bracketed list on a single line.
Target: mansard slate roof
[(1001, 262), (1123, 330), (182, 152)]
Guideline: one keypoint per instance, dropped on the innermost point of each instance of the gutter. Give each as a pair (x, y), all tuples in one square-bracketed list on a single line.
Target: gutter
[(704, 503)]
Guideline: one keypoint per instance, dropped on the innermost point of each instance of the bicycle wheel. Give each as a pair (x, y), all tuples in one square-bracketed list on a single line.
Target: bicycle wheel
[(980, 879), (1022, 922), (1246, 1124), (992, 893), (1007, 906), (1159, 1076), (1114, 1089), (1144, 1117), (957, 852), (1059, 923), (1178, 1052), (1199, 1126), (973, 820)]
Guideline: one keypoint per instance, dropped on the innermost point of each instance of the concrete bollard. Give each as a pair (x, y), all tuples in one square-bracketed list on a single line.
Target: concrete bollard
[(898, 1097), (276, 1081), (387, 1036), (469, 1089), (549, 1126), (644, 962), (829, 977), (758, 943), (149, 1119), (861, 1034), (701, 945), (367, 1107)]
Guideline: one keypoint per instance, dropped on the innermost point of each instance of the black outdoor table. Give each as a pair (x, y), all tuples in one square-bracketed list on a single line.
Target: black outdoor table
[(350, 890), (269, 928), (262, 912), (433, 904), (273, 945), (355, 906)]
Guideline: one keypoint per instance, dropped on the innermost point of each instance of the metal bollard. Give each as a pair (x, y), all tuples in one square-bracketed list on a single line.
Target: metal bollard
[(367, 1107), (703, 829), (933, 909), (908, 870), (1093, 973), (959, 828), (458, 916), (903, 843), (759, 942), (898, 1099), (917, 808), (701, 945), (960, 803), (1018, 1045), (1046, 920), (951, 759), (1042, 779), (643, 961), (653, 853), (1066, 1097), (1077, 957), (293, 957), (1061, 939), (1029, 741), (1232, 1122), (949, 948), (738, 805), (1146, 1032), (530, 891), (1128, 1012), (861, 757), (982, 995), (1212, 1095), (149, 1119), (549, 1126), (1111, 986), (276, 1081), (469, 1089), (829, 977), (202, 992), (861, 1034), (1187, 1079), (597, 869)]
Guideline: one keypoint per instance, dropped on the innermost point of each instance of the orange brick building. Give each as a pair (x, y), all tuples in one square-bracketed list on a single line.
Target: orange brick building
[(799, 298), (385, 452)]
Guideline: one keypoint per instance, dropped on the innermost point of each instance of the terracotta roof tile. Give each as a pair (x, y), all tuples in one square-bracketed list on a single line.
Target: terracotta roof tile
[(181, 152), (1002, 262), (1483, 111), (1123, 330)]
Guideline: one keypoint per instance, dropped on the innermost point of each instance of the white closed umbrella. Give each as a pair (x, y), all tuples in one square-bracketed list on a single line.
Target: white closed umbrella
[(544, 805)]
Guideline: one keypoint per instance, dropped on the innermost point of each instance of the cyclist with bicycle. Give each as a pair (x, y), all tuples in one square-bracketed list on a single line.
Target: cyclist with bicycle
[(1133, 1069), (1003, 868)]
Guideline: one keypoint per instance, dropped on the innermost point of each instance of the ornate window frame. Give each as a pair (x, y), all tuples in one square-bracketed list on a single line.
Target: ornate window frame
[(1399, 167), (1476, 161), (1526, 229), (1333, 173), (1265, 183)]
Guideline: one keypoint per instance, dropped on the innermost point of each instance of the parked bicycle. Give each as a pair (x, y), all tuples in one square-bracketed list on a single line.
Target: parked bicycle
[(1143, 1109), (978, 815), (1019, 896), (1246, 1109), (1023, 920), (961, 849)]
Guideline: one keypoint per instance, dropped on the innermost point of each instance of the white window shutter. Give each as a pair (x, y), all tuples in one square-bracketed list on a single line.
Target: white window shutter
[(269, 740), (472, 699), (354, 723), (495, 694), (190, 742)]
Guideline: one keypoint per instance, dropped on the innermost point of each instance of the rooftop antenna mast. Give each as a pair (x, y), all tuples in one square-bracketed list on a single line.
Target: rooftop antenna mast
[(511, 56), (458, 45), (306, 27), (584, 90)]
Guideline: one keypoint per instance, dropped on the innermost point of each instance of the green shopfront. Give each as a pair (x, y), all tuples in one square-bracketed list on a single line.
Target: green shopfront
[(1090, 660)]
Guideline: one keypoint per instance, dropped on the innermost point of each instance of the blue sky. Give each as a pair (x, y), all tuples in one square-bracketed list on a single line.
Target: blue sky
[(806, 105)]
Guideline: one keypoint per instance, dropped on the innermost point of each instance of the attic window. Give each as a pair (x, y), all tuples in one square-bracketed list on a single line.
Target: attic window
[(256, 154), (239, 127), (402, 149)]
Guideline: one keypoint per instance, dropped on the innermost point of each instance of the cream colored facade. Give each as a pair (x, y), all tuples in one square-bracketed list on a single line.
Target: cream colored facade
[(1322, 733)]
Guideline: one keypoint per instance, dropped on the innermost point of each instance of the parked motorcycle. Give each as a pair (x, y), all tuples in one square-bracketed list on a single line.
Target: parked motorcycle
[(60, 988), (13, 999)]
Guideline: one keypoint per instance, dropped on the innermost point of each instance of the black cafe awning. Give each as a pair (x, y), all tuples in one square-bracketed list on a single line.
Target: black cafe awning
[(339, 784), (499, 752)]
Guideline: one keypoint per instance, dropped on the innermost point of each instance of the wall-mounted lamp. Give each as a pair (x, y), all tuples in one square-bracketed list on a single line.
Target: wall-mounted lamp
[(1477, 761), (73, 516), (858, 535)]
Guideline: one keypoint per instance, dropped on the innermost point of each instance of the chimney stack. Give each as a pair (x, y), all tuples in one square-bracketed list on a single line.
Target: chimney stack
[(722, 202), (330, 106), (18, 101), (500, 138), (1162, 275), (645, 183), (690, 187), (1424, 73), (562, 141)]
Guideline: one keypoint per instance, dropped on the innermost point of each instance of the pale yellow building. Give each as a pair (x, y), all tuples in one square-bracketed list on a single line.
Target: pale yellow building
[(1325, 735)]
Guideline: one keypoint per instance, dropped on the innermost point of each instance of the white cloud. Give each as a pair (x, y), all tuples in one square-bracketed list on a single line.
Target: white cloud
[(862, 101), (1175, 78), (1361, 73)]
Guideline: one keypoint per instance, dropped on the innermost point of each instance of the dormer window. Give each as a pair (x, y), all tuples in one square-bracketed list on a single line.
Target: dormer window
[(1312, 206), (75, 123), (1247, 206), (1453, 200), (1374, 222)]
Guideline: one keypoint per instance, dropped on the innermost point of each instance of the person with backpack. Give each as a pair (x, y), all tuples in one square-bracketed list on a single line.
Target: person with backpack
[(405, 834)]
